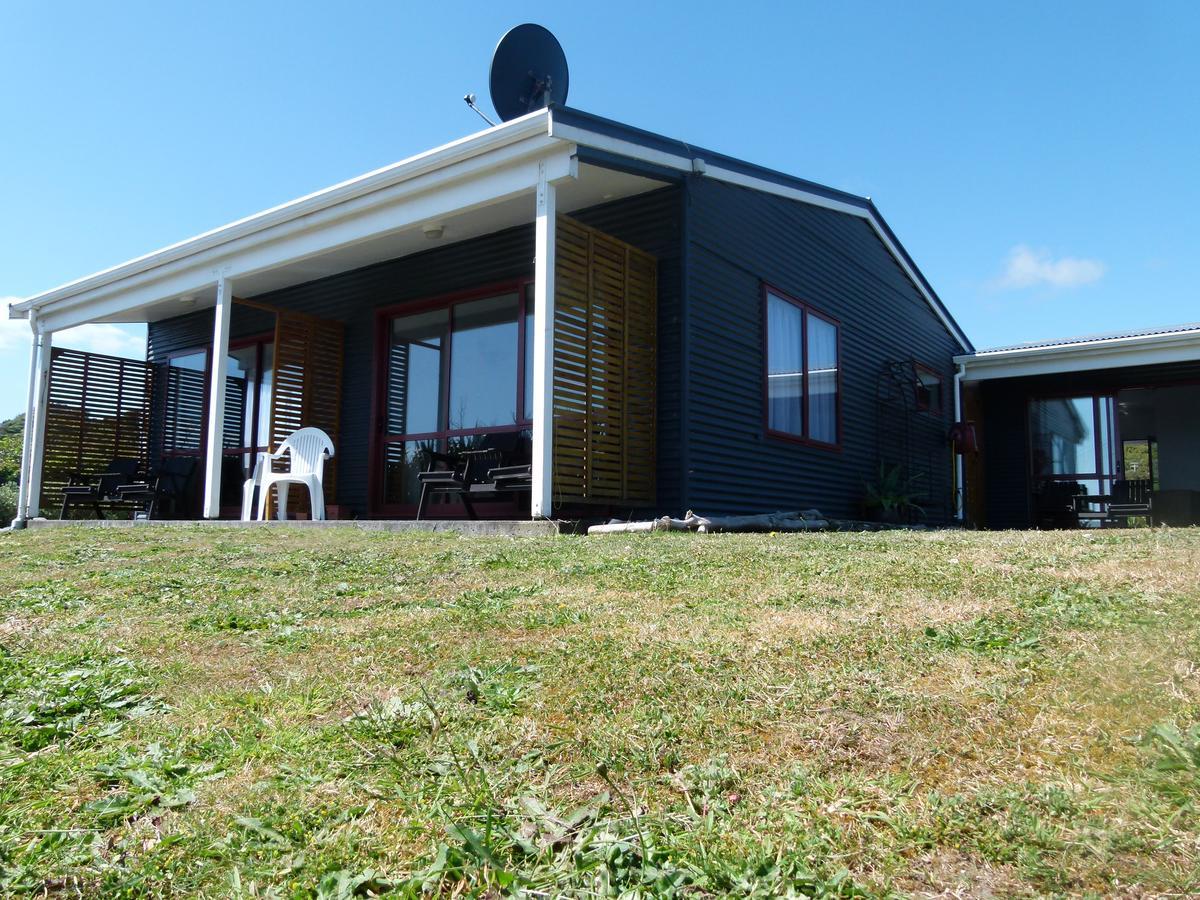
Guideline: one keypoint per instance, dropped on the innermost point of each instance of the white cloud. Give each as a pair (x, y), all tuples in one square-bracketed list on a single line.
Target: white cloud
[(14, 333), (113, 340), (1027, 267)]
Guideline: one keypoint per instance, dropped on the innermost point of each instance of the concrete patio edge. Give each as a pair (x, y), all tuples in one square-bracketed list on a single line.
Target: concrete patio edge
[(510, 527)]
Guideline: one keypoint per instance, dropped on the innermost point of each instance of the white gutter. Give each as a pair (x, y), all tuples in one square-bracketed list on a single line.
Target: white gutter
[(1101, 353), (474, 145), (960, 496)]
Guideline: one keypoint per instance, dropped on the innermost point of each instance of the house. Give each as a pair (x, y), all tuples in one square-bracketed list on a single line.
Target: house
[(1064, 426), (658, 326)]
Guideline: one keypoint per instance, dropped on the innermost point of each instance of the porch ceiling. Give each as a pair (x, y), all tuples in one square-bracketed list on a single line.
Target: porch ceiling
[(594, 185)]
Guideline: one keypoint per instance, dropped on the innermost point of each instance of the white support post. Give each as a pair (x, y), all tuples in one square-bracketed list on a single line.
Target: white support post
[(33, 499), (35, 349), (960, 469), (216, 399), (543, 349)]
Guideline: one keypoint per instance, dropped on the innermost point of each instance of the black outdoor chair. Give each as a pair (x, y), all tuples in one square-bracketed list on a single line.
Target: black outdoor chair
[(97, 489), (169, 485), (1131, 499), (488, 472), (1055, 504)]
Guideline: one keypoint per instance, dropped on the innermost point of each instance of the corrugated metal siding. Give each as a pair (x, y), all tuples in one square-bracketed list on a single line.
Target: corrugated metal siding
[(1005, 431), (353, 297), (739, 239)]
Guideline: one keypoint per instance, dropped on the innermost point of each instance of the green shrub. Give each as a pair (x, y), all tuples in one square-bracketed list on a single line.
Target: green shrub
[(8, 503)]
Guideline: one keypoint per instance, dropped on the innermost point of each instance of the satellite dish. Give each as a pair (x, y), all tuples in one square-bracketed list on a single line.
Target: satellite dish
[(529, 71)]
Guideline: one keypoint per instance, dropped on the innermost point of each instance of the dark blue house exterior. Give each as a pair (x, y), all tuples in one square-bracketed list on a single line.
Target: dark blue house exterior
[(653, 326)]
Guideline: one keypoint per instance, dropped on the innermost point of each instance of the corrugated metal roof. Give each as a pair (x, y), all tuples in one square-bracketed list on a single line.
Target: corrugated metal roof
[(1094, 338)]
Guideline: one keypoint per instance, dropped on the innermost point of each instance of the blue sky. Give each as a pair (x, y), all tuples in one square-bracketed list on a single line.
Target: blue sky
[(1038, 160)]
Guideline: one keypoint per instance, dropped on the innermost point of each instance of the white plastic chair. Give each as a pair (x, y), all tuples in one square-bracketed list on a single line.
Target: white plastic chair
[(308, 448)]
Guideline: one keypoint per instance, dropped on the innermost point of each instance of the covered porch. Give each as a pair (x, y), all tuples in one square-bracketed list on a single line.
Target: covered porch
[(454, 301), (1099, 432)]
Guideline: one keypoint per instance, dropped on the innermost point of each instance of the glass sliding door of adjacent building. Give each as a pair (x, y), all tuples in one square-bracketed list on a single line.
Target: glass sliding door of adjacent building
[(454, 373), (1073, 455)]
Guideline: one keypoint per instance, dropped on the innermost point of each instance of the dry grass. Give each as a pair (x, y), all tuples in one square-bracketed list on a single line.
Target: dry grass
[(939, 714)]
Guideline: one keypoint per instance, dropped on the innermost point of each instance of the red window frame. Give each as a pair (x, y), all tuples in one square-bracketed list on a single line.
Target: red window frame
[(379, 440), (922, 406), (807, 309)]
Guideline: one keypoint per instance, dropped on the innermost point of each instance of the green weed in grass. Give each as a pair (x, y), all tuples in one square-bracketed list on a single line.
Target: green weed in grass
[(50, 697)]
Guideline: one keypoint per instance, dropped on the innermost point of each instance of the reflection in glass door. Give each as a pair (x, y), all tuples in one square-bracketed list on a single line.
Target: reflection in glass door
[(1073, 457), (246, 431), (452, 375)]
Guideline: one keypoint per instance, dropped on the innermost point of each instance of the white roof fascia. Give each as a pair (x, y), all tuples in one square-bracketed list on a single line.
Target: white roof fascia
[(712, 170), (430, 163), (402, 206), (1085, 356)]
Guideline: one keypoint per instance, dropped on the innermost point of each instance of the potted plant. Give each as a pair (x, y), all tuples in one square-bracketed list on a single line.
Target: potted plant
[(890, 497)]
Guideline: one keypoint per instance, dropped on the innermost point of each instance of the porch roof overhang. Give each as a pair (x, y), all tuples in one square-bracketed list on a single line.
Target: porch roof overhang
[(478, 184), (1163, 346)]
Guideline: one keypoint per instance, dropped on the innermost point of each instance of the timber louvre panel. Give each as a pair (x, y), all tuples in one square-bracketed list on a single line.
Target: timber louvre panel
[(98, 410), (306, 388), (605, 299)]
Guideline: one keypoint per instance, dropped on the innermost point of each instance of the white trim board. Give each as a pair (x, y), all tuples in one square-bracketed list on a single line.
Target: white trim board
[(1085, 356), (438, 158), (340, 216)]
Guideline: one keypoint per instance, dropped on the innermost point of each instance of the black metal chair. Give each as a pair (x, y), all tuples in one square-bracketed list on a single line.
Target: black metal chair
[(1056, 504), (471, 475), (1131, 499), (169, 485), (512, 479), (97, 489)]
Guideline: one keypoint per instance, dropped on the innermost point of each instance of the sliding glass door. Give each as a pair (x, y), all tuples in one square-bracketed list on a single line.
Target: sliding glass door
[(246, 428), (1073, 453), (454, 372)]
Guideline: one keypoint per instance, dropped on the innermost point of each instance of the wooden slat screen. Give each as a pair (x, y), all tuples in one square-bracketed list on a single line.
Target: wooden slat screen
[(605, 294), (98, 410), (307, 385)]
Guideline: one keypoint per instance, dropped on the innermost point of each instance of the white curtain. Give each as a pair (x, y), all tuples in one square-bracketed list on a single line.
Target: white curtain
[(785, 367), (822, 380)]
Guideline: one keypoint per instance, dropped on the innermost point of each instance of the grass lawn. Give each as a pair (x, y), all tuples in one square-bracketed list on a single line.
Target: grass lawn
[(304, 713)]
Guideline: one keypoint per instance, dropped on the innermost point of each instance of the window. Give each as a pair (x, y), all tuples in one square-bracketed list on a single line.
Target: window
[(454, 372), (802, 372), (248, 397), (929, 389), (185, 406)]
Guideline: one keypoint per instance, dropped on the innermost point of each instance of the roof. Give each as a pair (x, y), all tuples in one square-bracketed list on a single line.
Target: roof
[(1151, 346), (1094, 338), (249, 247)]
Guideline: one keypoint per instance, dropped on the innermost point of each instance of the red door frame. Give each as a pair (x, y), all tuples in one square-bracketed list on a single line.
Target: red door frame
[(379, 441)]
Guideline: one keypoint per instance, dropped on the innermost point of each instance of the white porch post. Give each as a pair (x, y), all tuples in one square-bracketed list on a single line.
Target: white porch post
[(543, 349), (35, 349), (37, 450), (216, 399)]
